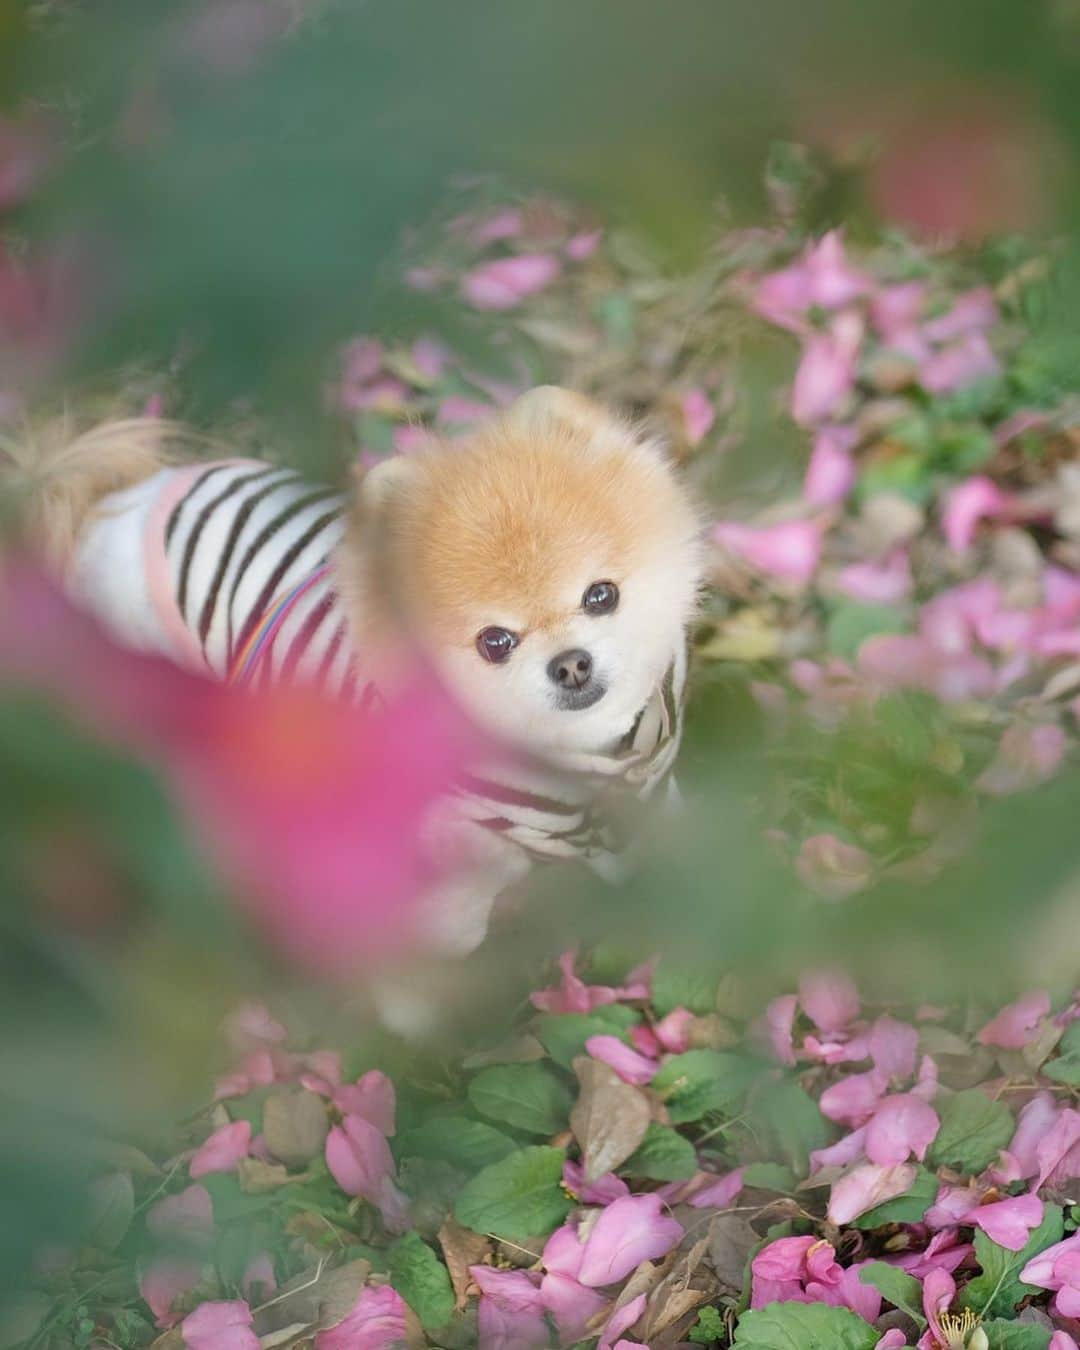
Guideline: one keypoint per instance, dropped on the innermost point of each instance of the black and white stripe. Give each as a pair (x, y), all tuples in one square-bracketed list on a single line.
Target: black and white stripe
[(241, 536)]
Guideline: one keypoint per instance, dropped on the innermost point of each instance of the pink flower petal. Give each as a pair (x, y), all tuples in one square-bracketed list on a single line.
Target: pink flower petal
[(621, 1320), (825, 379), (361, 1163), (830, 1000), (628, 1231), (950, 1206), (251, 1026), (371, 1097), (504, 224), (573, 994), (1008, 1222), (673, 1031), (462, 412), (779, 1022), (163, 1282), (822, 278), (721, 1193), (973, 312), (849, 1149), (507, 281), (866, 1187), (220, 1326), (599, 1192), (831, 473), (1055, 1151), (581, 246), (1027, 756), (854, 1099), (893, 1047), (376, 1322), (1061, 1340), (1018, 1024), (975, 499), (902, 1126), (896, 309), (880, 583), (955, 367), (627, 1063), (789, 551), (222, 1151), (698, 415), (833, 869), (894, 1339), (1042, 1270), (783, 1259), (259, 1280), (939, 1290), (571, 1304)]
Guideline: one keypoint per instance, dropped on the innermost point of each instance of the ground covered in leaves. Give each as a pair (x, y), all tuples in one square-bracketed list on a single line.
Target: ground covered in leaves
[(886, 438)]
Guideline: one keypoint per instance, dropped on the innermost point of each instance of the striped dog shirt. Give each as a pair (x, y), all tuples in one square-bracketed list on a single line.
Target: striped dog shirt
[(225, 568)]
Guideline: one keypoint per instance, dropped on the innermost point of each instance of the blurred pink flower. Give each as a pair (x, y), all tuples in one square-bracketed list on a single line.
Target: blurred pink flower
[(830, 1000), (251, 1026), (430, 357), (1061, 1340), (972, 312), (574, 995), (698, 414), (894, 1339), (372, 1097), (311, 807), (164, 1281), (361, 1163), (425, 279), (504, 283), (1008, 1222), (893, 1047), (222, 1151), (628, 1231), (1058, 1269), (720, 1193), (831, 473), (832, 868), (789, 551), (895, 310), (410, 436), (902, 1126), (510, 1315), (599, 1192), (885, 582), (1026, 756), (821, 279), (581, 246), (186, 1216), (673, 1030), (220, 1326), (385, 395), (361, 360), (378, 1321), (866, 1187), (628, 1064), (975, 499), (958, 365), (505, 224), (853, 1099), (1018, 1024), (779, 1022), (825, 378), (25, 152)]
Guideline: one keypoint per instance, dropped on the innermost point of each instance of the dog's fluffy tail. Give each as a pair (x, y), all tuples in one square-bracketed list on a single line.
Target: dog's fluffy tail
[(51, 477)]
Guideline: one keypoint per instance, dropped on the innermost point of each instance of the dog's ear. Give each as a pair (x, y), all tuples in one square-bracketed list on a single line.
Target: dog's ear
[(380, 483), (549, 408)]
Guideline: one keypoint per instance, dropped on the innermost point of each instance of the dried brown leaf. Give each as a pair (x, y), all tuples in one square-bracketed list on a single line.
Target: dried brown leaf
[(295, 1126), (731, 1240), (461, 1249), (318, 1298), (687, 1285), (609, 1119)]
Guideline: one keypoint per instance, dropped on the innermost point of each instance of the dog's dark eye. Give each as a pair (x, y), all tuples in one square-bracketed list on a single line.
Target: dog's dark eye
[(496, 644), (600, 598)]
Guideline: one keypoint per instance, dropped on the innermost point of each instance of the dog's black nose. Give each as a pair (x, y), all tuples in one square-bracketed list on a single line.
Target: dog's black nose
[(570, 670)]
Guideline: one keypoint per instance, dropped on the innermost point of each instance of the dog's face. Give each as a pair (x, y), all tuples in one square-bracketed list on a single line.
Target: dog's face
[(549, 567)]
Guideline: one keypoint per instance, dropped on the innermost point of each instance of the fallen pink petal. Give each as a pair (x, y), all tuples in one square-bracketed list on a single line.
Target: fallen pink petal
[(222, 1151), (220, 1326)]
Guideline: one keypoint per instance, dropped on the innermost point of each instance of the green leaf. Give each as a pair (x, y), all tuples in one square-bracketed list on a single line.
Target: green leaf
[(466, 1144), (700, 1081), (973, 1130), (673, 987), (804, 1326), (527, 1096), (563, 1035), (1016, 1335), (902, 1290), (853, 621), (521, 1196), (617, 1016), (663, 1155), (1066, 1067), (709, 1327), (788, 1119), (770, 1177), (997, 1291), (907, 1208), (422, 1281)]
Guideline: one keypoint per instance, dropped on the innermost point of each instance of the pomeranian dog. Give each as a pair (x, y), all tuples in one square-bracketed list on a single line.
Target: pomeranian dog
[(548, 566)]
